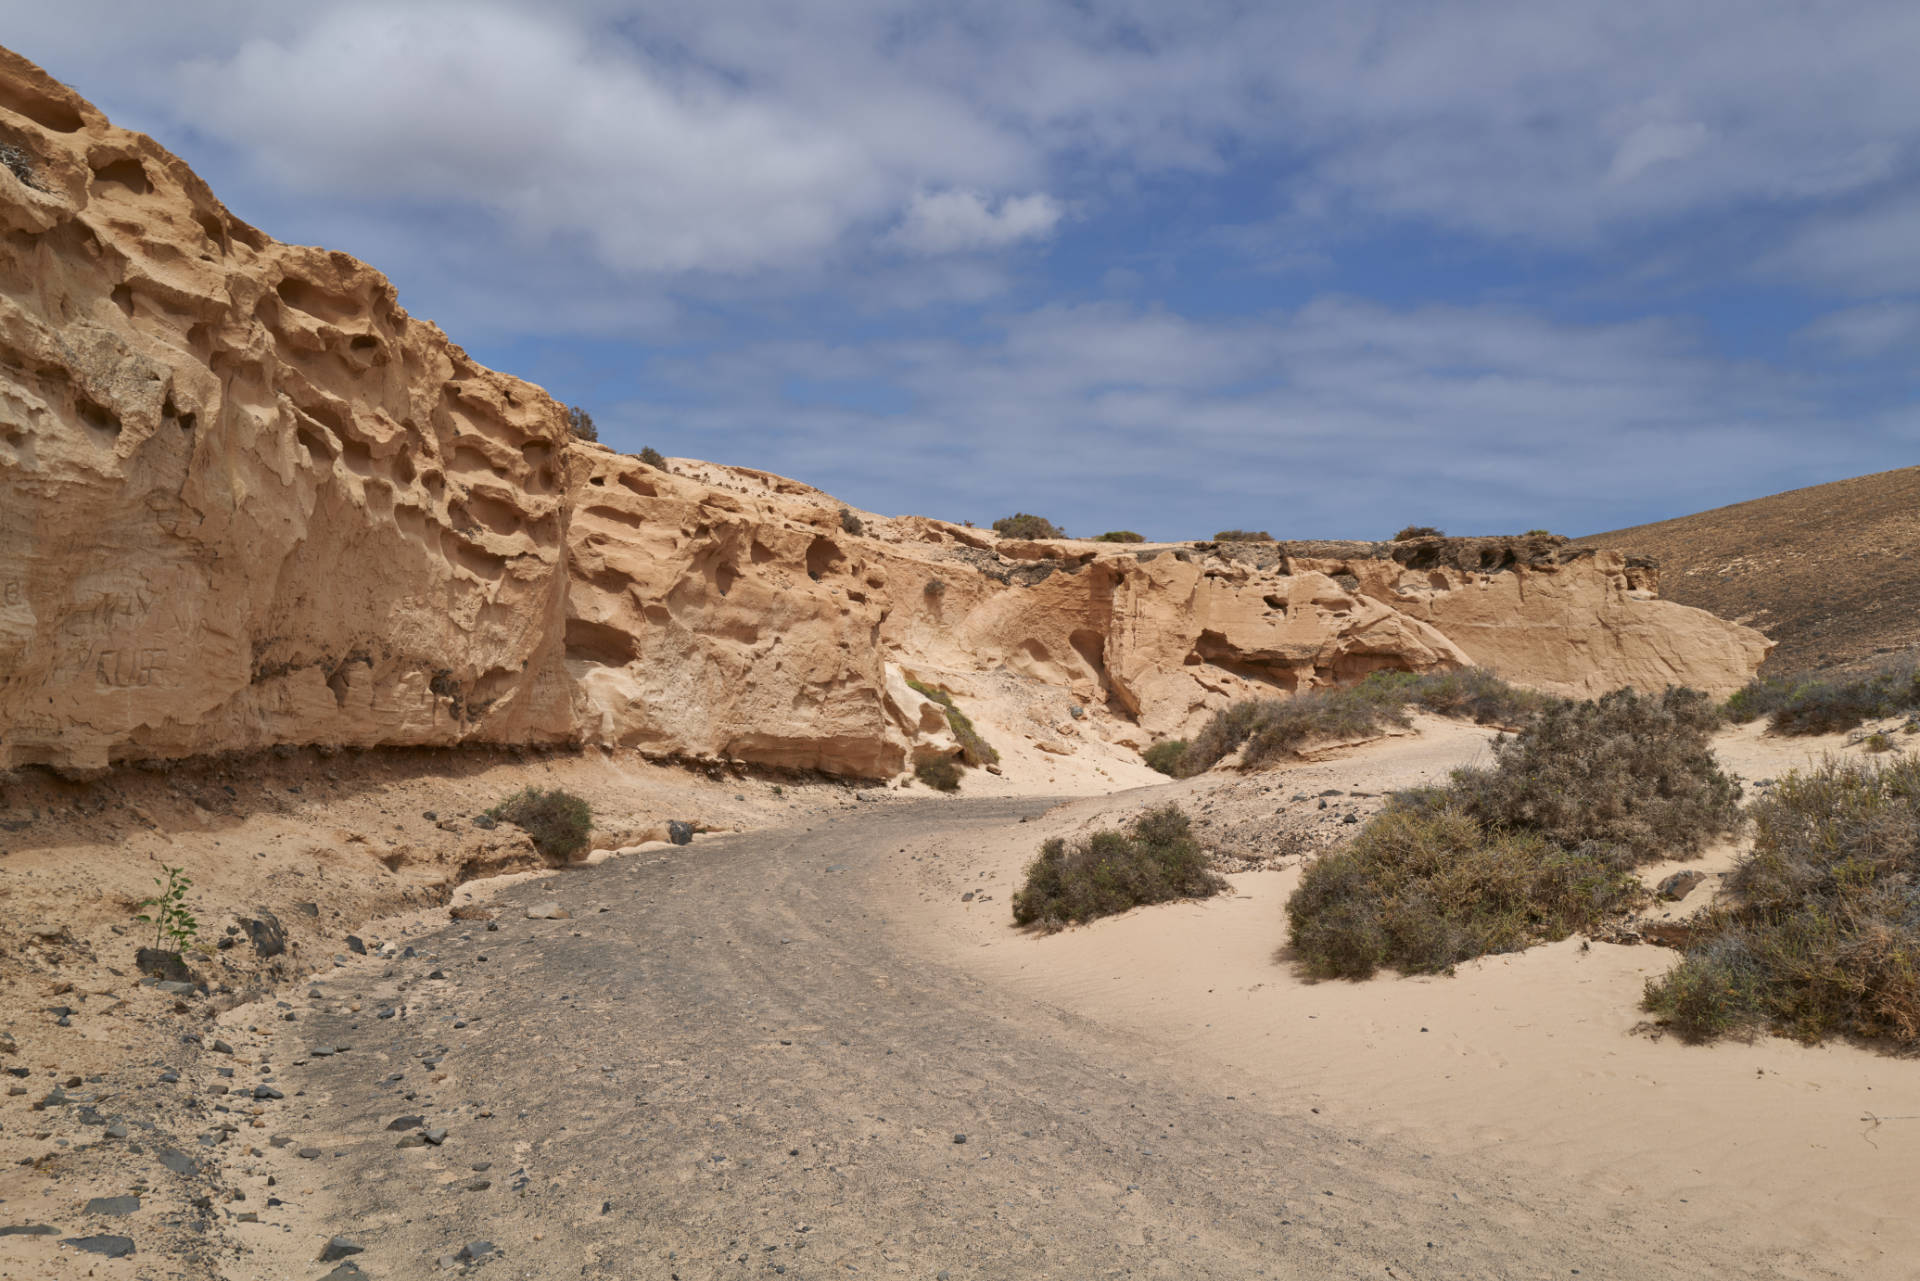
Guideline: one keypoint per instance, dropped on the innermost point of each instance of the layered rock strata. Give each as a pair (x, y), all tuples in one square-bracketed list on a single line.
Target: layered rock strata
[(247, 501)]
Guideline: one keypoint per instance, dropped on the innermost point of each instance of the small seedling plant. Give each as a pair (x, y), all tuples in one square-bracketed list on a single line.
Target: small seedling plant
[(174, 929)]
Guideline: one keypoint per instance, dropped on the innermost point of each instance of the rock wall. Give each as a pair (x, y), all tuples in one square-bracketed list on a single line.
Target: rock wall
[(247, 501)]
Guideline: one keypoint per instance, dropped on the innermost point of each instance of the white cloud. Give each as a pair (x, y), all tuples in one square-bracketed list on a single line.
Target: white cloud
[(1867, 331), (945, 222)]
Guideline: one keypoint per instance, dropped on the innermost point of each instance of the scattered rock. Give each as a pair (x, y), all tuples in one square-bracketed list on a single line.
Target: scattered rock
[(476, 1250), (1679, 885), (679, 832), (162, 964), (30, 1230), (111, 1246), (308, 909), (268, 936), (179, 1162), (339, 1248), (267, 1092), (548, 911), (356, 945), (406, 1123), (346, 1272), (113, 1205)]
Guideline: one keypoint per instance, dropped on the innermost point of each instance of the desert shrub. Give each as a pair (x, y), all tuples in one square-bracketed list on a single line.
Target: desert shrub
[(653, 458), (1628, 770), (1271, 728), (1243, 536), (580, 423), (1119, 536), (1418, 531), (18, 163), (1424, 887), (1166, 756), (558, 821), (1830, 704), (974, 750), (939, 773), (1819, 932), (1531, 848), (1153, 860), (935, 587), (850, 522), (1023, 525), (1538, 533), (1881, 742)]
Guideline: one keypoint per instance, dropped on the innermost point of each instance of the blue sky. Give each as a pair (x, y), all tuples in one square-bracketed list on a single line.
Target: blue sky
[(1323, 269)]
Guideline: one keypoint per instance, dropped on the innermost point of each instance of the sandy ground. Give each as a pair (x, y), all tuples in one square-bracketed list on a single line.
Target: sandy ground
[(1540, 1058), (1537, 1060)]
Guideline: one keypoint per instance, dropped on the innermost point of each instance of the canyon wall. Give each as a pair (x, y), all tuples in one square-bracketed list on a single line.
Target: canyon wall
[(246, 501)]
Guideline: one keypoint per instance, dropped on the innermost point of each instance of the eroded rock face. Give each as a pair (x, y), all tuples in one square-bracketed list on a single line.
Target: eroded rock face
[(247, 501)]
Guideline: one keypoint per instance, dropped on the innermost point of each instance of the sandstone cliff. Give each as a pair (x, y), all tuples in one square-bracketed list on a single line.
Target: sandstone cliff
[(247, 501)]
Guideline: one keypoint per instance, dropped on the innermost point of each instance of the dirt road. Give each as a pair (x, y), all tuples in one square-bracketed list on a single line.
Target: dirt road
[(725, 1065)]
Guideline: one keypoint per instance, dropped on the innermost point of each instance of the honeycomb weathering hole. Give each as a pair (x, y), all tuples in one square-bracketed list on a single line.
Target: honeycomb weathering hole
[(128, 173), (48, 113), (822, 555)]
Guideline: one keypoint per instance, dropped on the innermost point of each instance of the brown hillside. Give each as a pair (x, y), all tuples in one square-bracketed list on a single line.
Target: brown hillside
[(1831, 572)]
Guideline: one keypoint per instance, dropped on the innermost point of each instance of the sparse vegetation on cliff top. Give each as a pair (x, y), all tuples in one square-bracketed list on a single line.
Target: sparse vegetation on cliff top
[(1026, 525)]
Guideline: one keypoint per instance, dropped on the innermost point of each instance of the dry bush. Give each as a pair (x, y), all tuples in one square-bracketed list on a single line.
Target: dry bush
[(1820, 935), (939, 773), (851, 523), (1424, 887), (1418, 531), (558, 821), (1830, 704), (1243, 536), (974, 750), (1537, 845), (1024, 525), (1272, 728), (1630, 770), (1119, 536), (1166, 756), (1153, 860), (653, 458)]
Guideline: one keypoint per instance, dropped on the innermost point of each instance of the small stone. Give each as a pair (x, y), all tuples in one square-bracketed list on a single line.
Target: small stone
[(1679, 885), (339, 1248), (437, 974), (267, 1092), (479, 1185), (406, 1123), (548, 911), (118, 1130), (436, 1137), (307, 909), (111, 1246), (221, 1047), (348, 1271), (308, 1154), (959, 1138), (680, 832), (178, 1162), (356, 945), (321, 1051), (476, 1250), (412, 1141), (173, 987), (30, 1230), (113, 1205)]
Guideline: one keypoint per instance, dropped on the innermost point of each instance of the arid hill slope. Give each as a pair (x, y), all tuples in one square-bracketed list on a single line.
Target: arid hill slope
[(248, 502), (1830, 572)]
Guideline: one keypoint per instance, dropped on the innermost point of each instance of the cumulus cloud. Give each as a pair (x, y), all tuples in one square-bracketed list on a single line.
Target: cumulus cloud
[(944, 222)]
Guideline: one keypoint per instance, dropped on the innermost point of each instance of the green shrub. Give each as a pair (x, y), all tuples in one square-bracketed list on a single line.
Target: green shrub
[(1422, 888), (559, 822), (580, 423), (653, 458), (1830, 704), (1881, 742), (1155, 859), (1243, 536), (1119, 536), (974, 750), (1539, 533), (1531, 848), (939, 773), (850, 522), (1418, 531), (1819, 932), (1272, 728), (1633, 771), (1023, 525), (1166, 756)]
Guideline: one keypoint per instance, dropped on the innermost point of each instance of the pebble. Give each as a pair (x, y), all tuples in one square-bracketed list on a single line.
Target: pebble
[(267, 1092), (407, 1123), (339, 1248), (548, 911), (111, 1246), (476, 1250), (308, 1154), (115, 1205)]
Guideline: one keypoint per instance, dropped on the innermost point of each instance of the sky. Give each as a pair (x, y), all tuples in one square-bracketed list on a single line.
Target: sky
[(1321, 269)]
